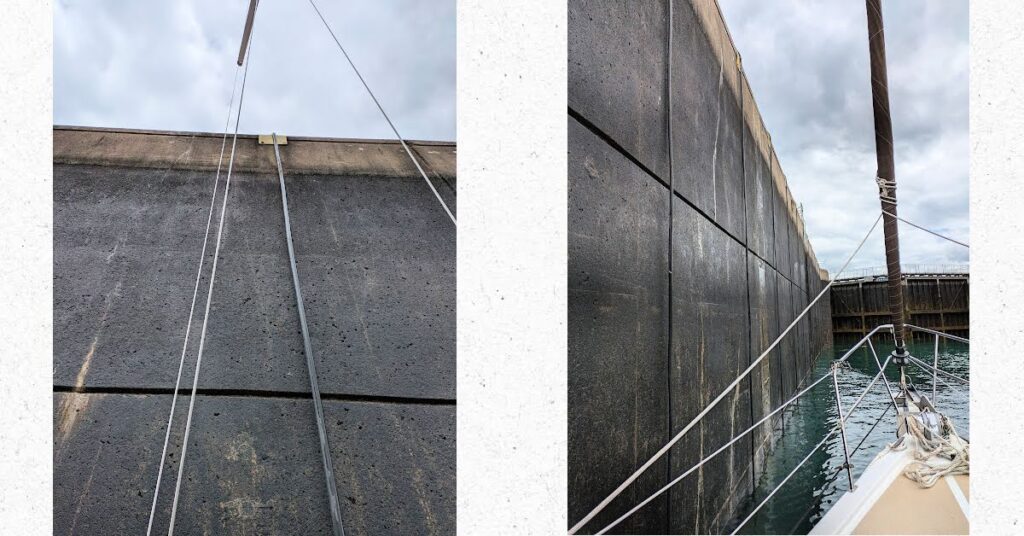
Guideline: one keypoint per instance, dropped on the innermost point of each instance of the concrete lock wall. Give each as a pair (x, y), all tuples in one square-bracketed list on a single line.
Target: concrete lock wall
[(940, 302), (649, 349), (376, 258)]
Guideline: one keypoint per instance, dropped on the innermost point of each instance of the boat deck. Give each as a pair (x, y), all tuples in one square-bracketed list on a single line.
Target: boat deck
[(886, 502)]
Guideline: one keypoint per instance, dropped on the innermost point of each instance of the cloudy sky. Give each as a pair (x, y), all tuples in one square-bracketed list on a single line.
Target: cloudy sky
[(807, 63), (170, 66)]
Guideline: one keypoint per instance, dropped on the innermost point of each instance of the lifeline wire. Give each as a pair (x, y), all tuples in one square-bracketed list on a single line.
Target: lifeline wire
[(815, 449), (191, 310), (325, 448), (944, 382), (929, 368), (382, 112), (929, 231), (661, 452), (743, 434), (209, 298), (784, 480)]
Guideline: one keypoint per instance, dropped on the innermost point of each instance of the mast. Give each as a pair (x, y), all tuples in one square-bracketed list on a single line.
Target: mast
[(247, 31), (886, 175)]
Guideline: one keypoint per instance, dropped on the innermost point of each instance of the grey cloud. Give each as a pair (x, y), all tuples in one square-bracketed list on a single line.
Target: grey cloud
[(807, 62), (170, 65)]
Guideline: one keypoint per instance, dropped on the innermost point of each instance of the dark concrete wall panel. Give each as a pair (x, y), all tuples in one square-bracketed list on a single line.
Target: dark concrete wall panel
[(760, 207), (804, 357), (761, 285), (376, 260), (394, 466), (787, 346), (740, 265), (709, 308), (781, 232), (795, 256), (618, 53), (618, 317), (698, 89), (728, 156), (395, 260)]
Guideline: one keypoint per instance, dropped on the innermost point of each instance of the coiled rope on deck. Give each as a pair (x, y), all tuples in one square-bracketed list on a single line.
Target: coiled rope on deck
[(935, 454)]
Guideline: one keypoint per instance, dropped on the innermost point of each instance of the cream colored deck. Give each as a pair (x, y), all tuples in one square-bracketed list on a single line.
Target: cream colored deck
[(886, 502)]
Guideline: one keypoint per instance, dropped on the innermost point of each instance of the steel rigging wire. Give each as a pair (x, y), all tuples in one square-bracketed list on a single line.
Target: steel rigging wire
[(661, 452), (209, 299), (382, 112), (191, 310), (247, 44), (314, 385)]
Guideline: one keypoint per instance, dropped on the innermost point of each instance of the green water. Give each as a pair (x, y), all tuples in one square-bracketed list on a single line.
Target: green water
[(809, 494)]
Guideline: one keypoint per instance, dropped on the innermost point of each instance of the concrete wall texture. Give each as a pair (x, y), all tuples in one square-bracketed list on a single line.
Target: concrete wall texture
[(376, 258), (666, 130), (940, 302)]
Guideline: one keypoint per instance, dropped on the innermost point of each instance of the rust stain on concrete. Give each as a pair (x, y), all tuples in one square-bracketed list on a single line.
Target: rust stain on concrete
[(75, 402), (421, 496), (85, 490)]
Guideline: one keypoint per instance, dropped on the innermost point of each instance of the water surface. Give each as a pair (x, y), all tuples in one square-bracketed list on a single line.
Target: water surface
[(816, 486)]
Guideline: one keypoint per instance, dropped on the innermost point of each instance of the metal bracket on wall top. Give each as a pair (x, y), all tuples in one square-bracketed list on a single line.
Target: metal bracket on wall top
[(268, 139)]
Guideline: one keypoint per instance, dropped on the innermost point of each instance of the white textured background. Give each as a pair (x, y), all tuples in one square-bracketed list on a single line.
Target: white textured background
[(26, 268), (512, 267), (512, 237), (997, 258)]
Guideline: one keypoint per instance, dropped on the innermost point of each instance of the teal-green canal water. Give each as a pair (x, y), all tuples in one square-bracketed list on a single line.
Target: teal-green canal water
[(809, 494)]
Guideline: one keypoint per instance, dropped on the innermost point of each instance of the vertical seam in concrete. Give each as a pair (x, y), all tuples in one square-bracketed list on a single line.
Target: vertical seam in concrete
[(775, 247), (714, 152), (671, 229), (614, 145), (746, 273)]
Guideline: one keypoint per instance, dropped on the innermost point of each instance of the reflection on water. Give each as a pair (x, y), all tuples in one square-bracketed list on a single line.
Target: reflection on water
[(819, 483)]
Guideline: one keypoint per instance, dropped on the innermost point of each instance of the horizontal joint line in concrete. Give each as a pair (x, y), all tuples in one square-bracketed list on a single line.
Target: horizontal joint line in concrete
[(256, 393), (621, 150)]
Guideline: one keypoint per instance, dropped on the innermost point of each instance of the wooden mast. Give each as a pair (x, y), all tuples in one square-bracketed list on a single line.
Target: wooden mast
[(886, 175)]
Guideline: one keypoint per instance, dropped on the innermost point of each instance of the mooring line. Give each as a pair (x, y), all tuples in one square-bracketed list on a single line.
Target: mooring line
[(209, 297), (382, 112), (191, 310), (314, 385)]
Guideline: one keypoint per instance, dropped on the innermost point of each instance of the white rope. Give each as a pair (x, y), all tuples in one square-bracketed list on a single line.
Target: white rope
[(742, 434), (841, 421), (912, 224), (935, 455), (382, 112), (885, 186), (707, 409), (209, 296), (191, 310)]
